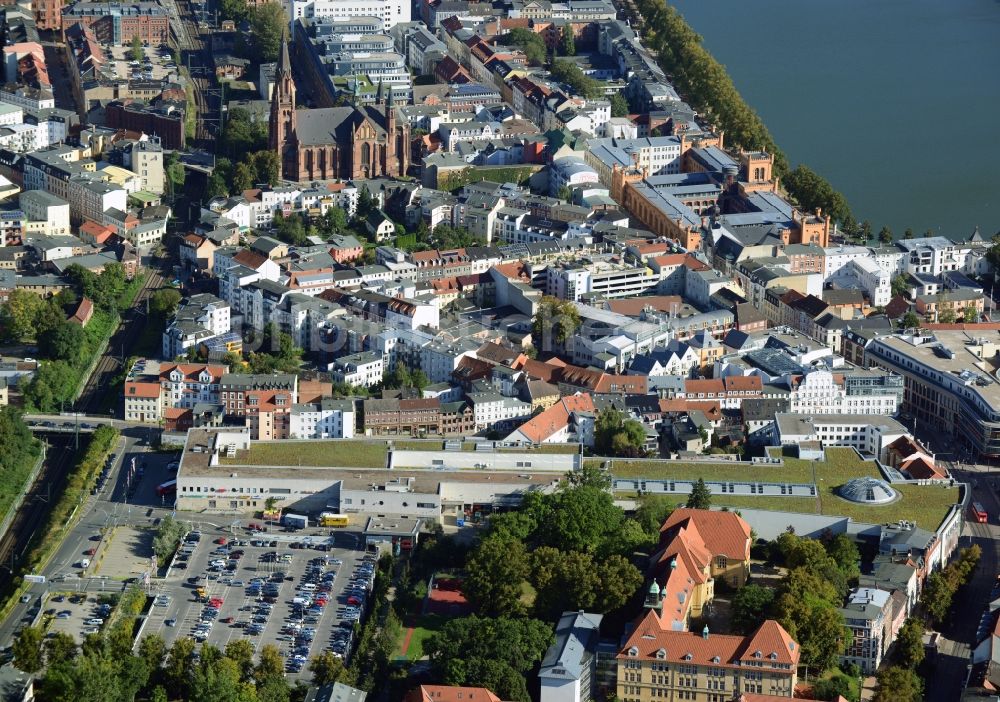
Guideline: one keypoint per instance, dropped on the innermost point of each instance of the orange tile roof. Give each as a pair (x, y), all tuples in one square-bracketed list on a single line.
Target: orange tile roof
[(634, 305), (773, 643), (446, 693), (140, 389), (555, 418), (723, 533)]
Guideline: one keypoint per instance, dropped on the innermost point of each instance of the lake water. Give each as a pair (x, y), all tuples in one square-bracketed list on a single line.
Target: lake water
[(896, 103)]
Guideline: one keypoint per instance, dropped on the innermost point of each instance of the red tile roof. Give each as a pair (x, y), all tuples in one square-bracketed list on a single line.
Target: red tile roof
[(445, 693), (140, 389), (723, 533), (555, 418), (650, 641), (191, 371), (250, 259)]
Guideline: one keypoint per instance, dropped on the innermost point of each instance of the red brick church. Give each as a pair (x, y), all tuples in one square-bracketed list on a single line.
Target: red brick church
[(335, 142)]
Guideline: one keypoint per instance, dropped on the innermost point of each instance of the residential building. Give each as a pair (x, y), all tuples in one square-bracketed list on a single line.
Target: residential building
[(265, 401), (869, 434), (868, 615), (569, 669), (363, 369), (326, 419)]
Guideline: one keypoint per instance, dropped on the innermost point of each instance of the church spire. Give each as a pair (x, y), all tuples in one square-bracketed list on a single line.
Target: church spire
[(284, 63)]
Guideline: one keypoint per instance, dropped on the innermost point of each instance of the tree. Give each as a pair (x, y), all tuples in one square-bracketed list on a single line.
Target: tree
[(567, 42), (885, 235), (589, 475), (652, 511), (498, 652), (569, 73), (993, 253), (215, 187), (530, 43), (842, 549), (910, 644), (619, 105), (565, 194), (700, 497), (497, 568), (836, 685), (910, 320), (579, 519), (241, 652), (153, 650), (163, 302), (937, 596), (899, 285), (819, 629), (135, 52), (865, 231), (947, 316), (27, 649), (326, 668), (217, 679), (614, 435), (243, 177), (21, 313), (554, 323), (267, 27), (270, 665), (908, 234), (235, 10), (64, 342), (179, 668), (54, 384), (896, 684), (60, 647), (749, 605), (970, 315), (812, 192), (265, 164)]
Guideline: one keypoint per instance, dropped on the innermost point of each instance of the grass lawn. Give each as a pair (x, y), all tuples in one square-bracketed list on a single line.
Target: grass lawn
[(926, 505), (423, 628), (418, 445), (334, 453), (841, 464)]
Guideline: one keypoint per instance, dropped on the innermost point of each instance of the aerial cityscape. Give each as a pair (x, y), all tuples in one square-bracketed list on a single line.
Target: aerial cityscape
[(466, 351)]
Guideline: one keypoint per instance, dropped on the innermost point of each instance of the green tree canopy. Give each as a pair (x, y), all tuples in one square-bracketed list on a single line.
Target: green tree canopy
[(749, 606), (27, 649), (554, 323), (497, 569), (619, 105), (700, 497), (910, 644), (616, 435), (567, 41), (267, 27), (896, 684), (569, 73)]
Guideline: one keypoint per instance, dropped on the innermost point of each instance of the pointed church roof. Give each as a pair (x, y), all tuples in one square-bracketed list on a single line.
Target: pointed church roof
[(284, 62)]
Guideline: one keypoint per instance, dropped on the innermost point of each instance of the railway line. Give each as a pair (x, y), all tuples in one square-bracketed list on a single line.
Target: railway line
[(123, 339), (33, 511)]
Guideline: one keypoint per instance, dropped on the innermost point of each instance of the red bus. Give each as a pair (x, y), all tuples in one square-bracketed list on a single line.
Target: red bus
[(167, 488), (977, 513)]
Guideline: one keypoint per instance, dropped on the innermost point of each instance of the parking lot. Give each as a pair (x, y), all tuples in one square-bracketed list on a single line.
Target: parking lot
[(77, 614), (277, 588), (156, 64)]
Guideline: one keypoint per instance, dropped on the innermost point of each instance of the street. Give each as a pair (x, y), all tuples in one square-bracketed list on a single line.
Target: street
[(950, 666)]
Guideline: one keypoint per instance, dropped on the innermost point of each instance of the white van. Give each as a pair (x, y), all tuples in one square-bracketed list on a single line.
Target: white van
[(85, 563), (94, 622), (308, 587)]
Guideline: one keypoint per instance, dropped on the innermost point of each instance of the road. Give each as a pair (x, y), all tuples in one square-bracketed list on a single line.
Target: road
[(101, 381), (99, 511), (950, 667)]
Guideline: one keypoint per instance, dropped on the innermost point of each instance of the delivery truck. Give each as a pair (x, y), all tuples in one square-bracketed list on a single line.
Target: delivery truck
[(297, 521)]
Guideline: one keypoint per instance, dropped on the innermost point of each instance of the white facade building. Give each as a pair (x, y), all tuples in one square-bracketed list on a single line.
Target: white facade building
[(391, 12), (327, 419)]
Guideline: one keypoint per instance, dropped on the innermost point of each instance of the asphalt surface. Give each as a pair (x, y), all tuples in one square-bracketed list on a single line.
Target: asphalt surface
[(100, 512), (184, 611)]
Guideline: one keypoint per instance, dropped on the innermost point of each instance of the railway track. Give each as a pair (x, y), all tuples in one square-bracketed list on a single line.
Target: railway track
[(123, 339), (36, 505)]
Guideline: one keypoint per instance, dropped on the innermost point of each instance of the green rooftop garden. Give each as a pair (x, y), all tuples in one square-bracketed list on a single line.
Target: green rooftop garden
[(343, 453)]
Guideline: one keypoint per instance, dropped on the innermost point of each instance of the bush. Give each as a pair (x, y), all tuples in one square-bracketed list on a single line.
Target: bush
[(168, 538)]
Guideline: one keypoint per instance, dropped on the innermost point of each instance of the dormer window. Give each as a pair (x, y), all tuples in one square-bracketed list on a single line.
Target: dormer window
[(661, 654), (633, 651), (757, 654), (688, 656), (773, 656), (715, 659)]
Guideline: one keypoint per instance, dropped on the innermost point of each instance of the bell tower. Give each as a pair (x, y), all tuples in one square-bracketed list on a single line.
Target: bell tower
[(282, 122)]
